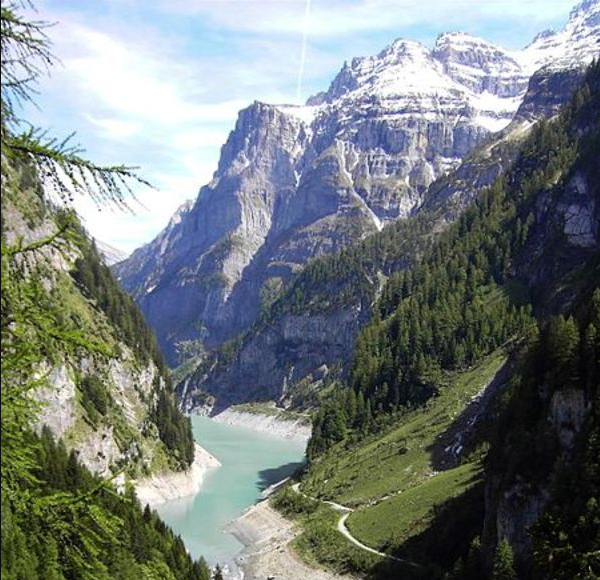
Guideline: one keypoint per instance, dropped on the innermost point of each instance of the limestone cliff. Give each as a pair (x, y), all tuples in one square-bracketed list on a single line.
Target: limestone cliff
[(294, 182), (104, 402)]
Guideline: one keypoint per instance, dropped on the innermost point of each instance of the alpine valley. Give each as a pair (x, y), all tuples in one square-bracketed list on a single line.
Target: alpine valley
[(404, 271), (403, 258)]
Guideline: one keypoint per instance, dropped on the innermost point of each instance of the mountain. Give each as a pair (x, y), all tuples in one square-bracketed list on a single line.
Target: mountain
[(557, 50), (298, 182), (464, 444), (110, 254), (110, 396), (306, 336)]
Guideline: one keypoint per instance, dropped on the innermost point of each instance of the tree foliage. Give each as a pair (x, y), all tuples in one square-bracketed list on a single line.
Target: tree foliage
[(503, 566), (63, 170), (58, 521), (96, 282), (463, 300), (82, 528)]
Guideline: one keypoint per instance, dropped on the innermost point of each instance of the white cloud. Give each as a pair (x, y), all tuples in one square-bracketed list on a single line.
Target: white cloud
[(193, 139), (135, 83), (150, 212), (143, 108), (118, 129)]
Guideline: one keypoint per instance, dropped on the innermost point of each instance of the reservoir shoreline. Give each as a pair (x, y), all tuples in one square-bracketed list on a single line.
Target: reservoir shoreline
[(276, 423), (252, 460), (263, 531), (170, 485)]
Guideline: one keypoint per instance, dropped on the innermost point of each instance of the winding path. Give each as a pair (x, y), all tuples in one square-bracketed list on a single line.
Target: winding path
[(343, 529)]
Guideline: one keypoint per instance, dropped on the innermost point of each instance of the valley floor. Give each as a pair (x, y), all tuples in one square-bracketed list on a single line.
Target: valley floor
[(267, 536)]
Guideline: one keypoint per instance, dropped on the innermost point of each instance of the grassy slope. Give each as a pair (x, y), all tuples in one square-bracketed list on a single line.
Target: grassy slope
[(390, 479), (320, 543), (401, 457), (389, 523)]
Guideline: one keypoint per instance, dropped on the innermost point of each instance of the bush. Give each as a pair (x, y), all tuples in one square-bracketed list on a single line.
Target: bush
[(291, 503)]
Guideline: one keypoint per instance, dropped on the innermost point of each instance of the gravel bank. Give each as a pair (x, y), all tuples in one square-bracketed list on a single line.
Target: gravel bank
[(171, 485), (266, 535), (275, 424)]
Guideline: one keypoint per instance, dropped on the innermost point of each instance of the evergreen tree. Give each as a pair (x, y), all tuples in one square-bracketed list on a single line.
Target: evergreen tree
[(58, 521), (503, 566)]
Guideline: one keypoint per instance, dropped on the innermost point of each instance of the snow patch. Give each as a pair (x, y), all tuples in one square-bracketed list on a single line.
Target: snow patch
[(305, 113)]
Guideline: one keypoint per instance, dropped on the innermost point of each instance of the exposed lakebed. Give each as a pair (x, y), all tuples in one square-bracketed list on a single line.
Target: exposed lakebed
[(251, 461)]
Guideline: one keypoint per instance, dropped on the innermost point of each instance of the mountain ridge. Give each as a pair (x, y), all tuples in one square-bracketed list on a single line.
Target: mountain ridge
[(294, 183)]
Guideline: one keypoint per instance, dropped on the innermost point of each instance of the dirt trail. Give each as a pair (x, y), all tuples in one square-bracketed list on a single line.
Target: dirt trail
[(342, 528)]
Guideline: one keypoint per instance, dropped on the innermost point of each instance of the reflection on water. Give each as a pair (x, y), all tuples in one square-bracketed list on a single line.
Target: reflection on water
[(251, 461)]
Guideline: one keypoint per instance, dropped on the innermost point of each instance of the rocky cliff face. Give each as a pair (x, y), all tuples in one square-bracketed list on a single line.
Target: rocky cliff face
[(99, 401), (297, 182), (105, 447), (566, 234), (299, 343), (559, 266), (272, 362), (514, 504)]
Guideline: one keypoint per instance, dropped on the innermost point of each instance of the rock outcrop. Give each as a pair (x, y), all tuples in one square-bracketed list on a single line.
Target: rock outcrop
[(99, 396)]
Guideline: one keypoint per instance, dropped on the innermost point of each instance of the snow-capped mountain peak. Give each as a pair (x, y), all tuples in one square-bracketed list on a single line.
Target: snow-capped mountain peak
[(110, 254), (576, 44), (294, 182), (479, 65)]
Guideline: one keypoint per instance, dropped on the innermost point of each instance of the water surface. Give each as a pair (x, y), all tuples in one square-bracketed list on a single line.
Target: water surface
[(251, 461)]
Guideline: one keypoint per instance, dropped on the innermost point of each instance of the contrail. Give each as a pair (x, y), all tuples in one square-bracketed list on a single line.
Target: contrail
[(303, 52)]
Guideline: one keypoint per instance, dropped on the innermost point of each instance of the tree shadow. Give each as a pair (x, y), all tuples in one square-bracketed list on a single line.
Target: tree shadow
[(432, 552), (461, 437), (269, 476)]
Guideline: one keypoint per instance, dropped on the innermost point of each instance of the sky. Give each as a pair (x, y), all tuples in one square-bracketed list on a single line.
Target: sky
[(158, 84)]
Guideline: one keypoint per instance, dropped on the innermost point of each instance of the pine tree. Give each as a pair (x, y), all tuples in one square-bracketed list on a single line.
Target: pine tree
[(563, 347), (49, 567), (350, 407), (503, 566)]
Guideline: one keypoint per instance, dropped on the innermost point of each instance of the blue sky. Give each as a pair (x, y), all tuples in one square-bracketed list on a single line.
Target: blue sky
[(158, 83)]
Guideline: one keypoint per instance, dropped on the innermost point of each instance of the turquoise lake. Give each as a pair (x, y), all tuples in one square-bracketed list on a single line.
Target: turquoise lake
[(251, 461)]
